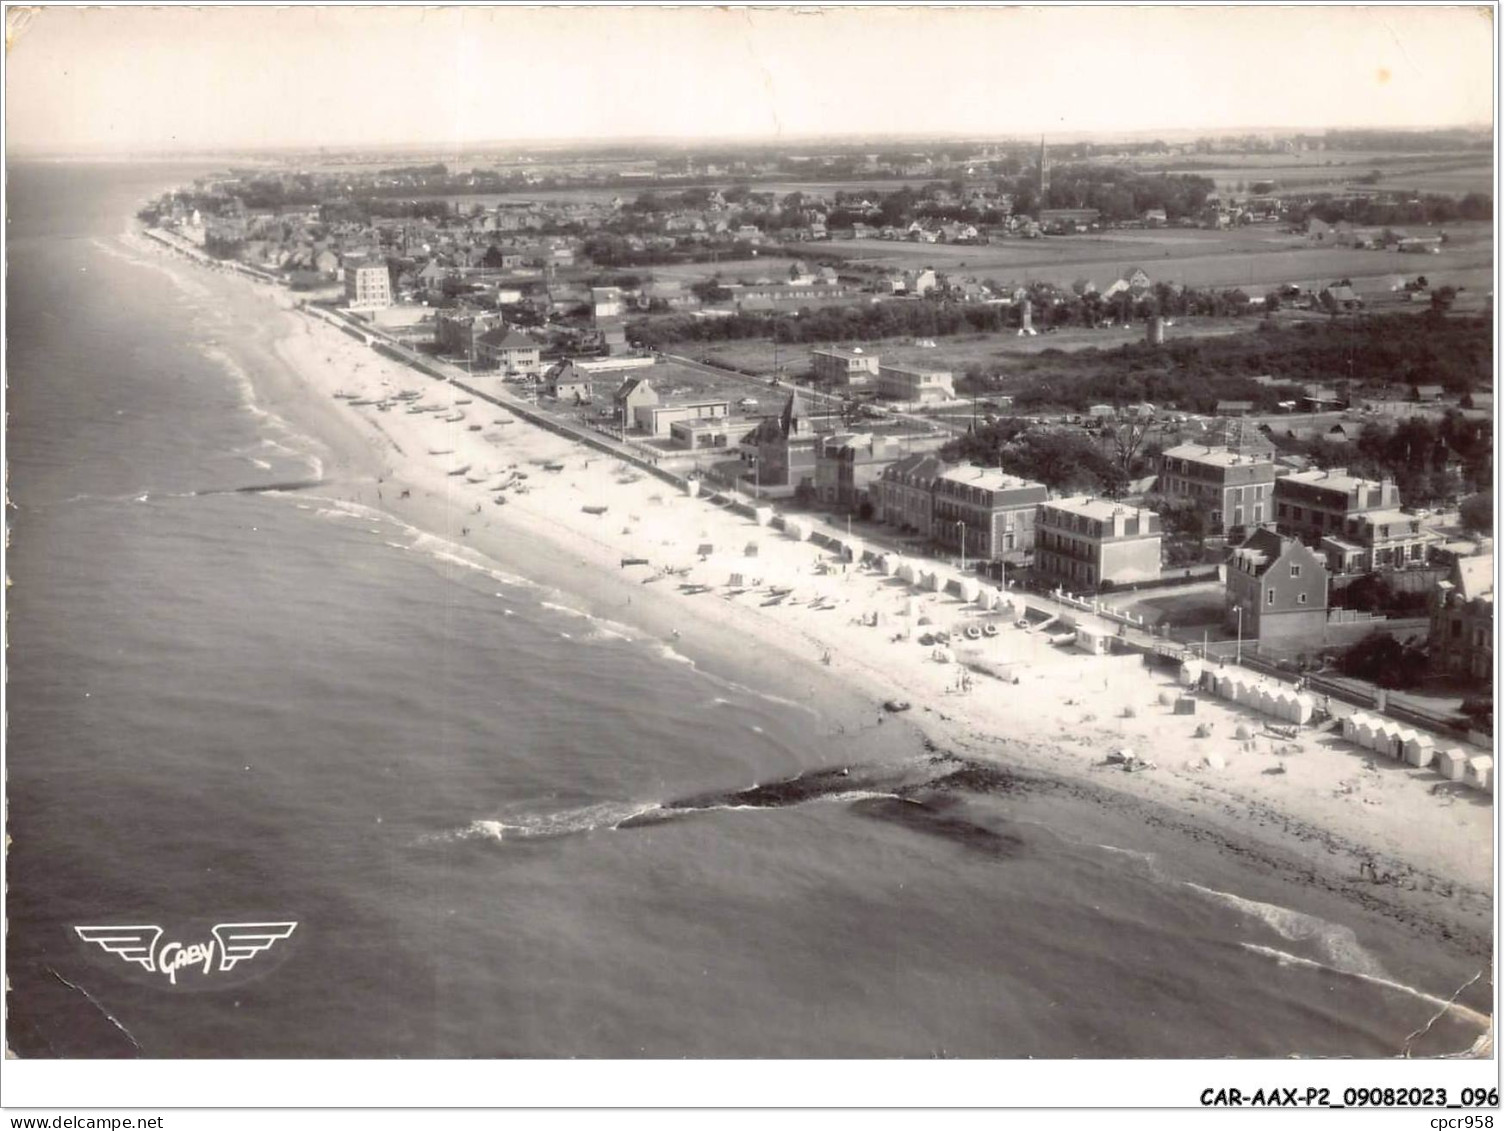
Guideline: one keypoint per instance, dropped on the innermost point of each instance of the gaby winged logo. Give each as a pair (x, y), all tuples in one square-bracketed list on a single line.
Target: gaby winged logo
[(232, 944)]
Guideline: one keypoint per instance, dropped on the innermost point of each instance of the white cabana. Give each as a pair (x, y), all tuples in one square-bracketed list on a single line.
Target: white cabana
[(851, 549), (930, 580), (1350, 726), (1402, 742), (1224, 685), (1451, 763), (1480, 773), (691, 487), (986, 598), (1391, 739), (797, 529), (887, 564), (763, 515), (1302, 708), (1093, 639), (1265, 699), (1190, 673), (1420, 749), (968, 588), (904, 571), (1364, 733)]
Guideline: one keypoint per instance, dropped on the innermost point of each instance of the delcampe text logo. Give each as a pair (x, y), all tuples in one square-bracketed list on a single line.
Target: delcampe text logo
[(232, 944)]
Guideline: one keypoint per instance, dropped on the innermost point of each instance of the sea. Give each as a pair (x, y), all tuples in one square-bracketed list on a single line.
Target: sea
[(378, 796)]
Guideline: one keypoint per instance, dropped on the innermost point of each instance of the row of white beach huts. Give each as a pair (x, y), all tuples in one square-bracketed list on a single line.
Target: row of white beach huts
[(1404, 744), (1371, 732)]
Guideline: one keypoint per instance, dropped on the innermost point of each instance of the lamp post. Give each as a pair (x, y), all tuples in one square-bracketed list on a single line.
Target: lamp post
[(1238, 655), (962, 525)]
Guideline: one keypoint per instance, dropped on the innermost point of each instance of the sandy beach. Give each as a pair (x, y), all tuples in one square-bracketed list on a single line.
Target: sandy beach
[(813, 628)]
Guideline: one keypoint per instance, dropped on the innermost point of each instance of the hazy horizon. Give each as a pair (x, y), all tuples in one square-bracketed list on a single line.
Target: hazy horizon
[(195, 81)]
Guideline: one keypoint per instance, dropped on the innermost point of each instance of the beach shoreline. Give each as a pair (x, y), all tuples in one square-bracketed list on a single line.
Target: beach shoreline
[(1056, 724)]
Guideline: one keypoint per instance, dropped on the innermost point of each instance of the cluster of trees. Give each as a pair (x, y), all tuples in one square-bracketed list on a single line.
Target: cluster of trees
[(1376, 211), (1380, 658), (1193, 374), (1417, 453), (1372, 593), (829, 324), (1067, 462), (1118, 193)]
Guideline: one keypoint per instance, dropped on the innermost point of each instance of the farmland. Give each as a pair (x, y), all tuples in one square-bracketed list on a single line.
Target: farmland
[(1254, 258)]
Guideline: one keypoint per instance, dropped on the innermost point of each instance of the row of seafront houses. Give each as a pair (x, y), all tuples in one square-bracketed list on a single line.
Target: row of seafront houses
[(1290, 534)]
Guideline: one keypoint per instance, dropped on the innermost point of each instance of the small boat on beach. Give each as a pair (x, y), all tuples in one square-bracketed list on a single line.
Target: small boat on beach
[(594, 510), (460, 470), (989, 630), (475, 427), (553, 467), (500, 500), (467, 400), (454, 418), (441, 451), (895, 705)]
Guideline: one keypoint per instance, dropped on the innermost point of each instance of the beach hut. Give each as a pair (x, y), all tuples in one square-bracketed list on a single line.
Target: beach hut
[(886, 564), (763, 515), (1390, 740), (1224, 685), (1402, 742), (851, 549), (797, 529), (1364, 733), (1190, 673), (904, 571), (691, 487), (930, 580), (967, 588), (1451, 763), (1480, 773), (1420, 749), (1302, 709), (1350, 725), (1266, 699)]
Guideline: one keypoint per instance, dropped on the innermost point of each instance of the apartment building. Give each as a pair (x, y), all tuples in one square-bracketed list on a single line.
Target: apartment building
[(1310, 505), (1085, 543), (1234, 490), (983, 513), (836, 366)]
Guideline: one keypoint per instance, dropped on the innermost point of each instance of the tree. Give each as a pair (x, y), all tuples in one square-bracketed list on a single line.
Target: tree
[(1477, 513)]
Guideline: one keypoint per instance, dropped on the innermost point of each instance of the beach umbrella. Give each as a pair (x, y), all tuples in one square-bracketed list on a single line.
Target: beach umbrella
[(1480, 773), (1420, 749)]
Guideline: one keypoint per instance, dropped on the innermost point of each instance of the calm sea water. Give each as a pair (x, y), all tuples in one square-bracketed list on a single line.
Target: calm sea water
[(248, 707)]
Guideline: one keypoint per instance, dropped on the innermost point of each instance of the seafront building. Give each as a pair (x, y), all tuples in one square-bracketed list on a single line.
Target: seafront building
[(1462, 620), (1087, 543), (984, 513), (1276, 591), (509, 351), (847, 464), (368, 285), (903, 495)]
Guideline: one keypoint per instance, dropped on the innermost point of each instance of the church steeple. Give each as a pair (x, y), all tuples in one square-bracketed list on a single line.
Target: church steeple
[(1044, 171)]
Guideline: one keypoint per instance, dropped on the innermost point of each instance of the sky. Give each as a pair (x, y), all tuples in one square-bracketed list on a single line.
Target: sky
[(186, 78)]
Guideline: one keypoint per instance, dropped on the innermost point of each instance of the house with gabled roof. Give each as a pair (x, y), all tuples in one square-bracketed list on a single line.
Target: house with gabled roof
[(1462, 620)]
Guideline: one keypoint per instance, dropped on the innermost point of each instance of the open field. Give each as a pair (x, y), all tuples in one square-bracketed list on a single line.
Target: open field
[(1445, 172), (1247, 257)]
